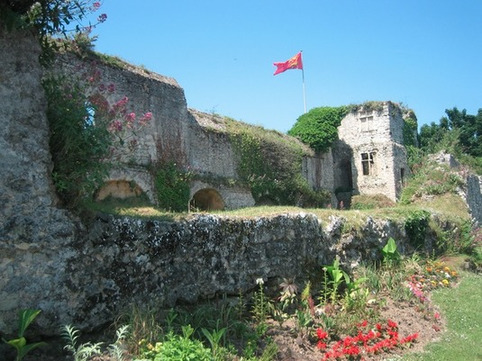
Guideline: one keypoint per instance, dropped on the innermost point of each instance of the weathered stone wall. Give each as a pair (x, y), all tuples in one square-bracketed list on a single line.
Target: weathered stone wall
[(474, 197), (318, 170), (378, 160), (34, 235), (164, 137), (209, 150), (120, 261)]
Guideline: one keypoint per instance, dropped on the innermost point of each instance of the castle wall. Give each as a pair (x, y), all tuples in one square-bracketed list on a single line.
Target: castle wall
[(319, 172), (209, 148), (163, 138), (34, 234)]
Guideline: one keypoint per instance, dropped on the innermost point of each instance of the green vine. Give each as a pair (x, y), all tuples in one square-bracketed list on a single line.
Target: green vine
[(270, 164), (172, 187)]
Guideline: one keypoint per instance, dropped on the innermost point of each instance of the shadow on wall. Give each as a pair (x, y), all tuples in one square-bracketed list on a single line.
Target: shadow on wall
[(207, 199)]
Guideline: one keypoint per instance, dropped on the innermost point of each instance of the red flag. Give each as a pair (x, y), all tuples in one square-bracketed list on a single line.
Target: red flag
[(293, 63)]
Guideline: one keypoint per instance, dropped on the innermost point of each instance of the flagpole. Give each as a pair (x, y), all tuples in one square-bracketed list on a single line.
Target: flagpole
[(303, 80)]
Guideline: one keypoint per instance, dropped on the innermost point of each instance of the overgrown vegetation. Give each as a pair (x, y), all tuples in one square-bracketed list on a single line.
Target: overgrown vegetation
[(172, 187), (77, 144), (270, 164), (458, 133), (319, 127), (49, 18), (364, 201)]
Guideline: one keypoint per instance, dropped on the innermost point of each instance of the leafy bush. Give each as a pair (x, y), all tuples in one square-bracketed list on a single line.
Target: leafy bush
[(172, 187), (416, 227), (179, 348), (319, 127), (78, 146)]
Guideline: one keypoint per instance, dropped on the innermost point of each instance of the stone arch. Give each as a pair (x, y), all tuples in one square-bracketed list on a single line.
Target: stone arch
[(207, 199), (120, 188)]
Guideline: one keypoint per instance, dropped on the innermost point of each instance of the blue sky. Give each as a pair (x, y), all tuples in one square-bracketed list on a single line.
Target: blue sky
[(424, 54)]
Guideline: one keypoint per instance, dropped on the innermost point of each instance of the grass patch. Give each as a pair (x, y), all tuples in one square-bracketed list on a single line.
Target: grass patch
[(462, 309)]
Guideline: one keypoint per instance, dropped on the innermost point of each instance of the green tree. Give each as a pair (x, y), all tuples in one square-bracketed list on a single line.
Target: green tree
[(319, 127), (458, 126)]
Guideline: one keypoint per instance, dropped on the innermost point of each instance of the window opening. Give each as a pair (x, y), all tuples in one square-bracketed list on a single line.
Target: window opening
[(366, 123), (368, 163)]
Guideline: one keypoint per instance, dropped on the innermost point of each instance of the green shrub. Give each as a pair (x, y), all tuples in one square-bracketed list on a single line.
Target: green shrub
[(319, 127), (172, 187), (78, 145), (416, 227), (179, 348)]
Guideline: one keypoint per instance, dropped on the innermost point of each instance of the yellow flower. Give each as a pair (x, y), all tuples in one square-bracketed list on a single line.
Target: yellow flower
[(446, 269), (453, 273), (445, 282)]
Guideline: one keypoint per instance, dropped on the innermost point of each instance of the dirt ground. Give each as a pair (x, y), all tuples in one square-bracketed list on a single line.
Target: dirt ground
[(409, 321)]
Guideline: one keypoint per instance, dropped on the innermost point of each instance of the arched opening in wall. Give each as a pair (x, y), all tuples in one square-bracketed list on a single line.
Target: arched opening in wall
[(127, 191), (207, 199)]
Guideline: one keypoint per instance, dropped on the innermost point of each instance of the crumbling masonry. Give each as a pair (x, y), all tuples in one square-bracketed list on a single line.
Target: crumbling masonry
[(369, 157)]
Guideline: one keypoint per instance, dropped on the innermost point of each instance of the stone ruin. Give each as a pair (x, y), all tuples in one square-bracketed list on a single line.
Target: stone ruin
[(368, 158), (85, 275)]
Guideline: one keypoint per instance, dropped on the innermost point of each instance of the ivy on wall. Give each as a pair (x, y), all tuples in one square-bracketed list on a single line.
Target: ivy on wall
[(172, 187), (270, 164)]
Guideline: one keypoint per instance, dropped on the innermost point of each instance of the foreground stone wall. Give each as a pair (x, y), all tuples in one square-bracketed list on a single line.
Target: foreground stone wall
[(120, 261)]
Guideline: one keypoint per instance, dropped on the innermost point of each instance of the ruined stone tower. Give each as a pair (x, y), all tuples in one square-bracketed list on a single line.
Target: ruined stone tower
[(370, 157)]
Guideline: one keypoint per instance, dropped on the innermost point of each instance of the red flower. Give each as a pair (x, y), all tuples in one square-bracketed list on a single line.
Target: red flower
[(392, 324), (409, 338), (321, 345), (321, 334), (353, 350)]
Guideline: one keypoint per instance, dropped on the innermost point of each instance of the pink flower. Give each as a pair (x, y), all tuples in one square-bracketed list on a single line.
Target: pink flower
[(116, 125), (145, 118), (102, 18), (96, 5), (130, 118), (111, 88)]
